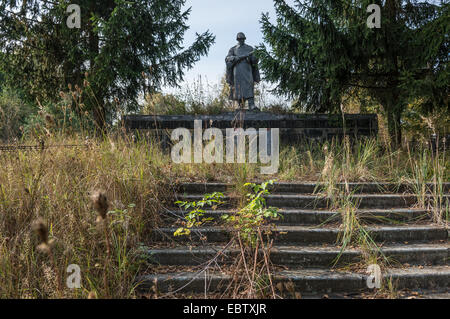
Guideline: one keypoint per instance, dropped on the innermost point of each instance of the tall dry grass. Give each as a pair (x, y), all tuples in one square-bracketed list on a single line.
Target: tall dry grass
[(54, 185), (365, 160)]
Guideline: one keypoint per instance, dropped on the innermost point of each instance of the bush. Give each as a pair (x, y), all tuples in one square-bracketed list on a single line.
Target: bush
[(13, 114), (67, 116)]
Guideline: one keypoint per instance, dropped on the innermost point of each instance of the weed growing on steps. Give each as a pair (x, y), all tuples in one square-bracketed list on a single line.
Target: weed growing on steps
[(421, 171), (241, 175), (250, 227), (427, 179), (440, 206), (253, 217), (195, 217), (353, 232)]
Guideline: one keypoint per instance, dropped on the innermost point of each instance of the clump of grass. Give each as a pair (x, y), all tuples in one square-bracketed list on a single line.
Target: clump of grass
[(241, 175), (440, 205), (337, 169), (421, 170), (428, 173)]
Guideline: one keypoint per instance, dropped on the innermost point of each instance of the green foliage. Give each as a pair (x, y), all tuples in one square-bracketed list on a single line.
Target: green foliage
[(195, 217), (123, 48), (13, 114), (321, 49), (54, 118), (432, 84), (249, 221), (2, 78), (419, 124)]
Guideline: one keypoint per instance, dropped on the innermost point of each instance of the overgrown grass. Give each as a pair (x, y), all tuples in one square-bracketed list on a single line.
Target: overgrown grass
[(55, 185), (138, 178), (365, 160), (424, 171), (429, 172)]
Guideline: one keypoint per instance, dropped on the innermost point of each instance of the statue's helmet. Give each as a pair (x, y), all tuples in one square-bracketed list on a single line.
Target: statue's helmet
[(240, 36)]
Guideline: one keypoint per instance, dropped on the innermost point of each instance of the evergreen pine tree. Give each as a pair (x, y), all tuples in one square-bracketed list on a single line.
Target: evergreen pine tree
[(320, 49), (124, 47)]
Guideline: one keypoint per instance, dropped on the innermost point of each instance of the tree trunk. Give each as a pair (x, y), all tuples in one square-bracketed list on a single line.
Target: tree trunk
[(393, 104), (394, 124)]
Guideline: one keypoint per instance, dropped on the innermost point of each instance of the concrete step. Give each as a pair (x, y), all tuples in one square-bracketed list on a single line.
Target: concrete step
[(310, 235), (378, 201), (311, 280), (408, 278), (440, 293), (434, 295), (309, 188), (316, 217), (310, 256)]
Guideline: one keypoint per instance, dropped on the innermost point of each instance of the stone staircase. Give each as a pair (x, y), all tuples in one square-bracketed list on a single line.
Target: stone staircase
[(305, 244)]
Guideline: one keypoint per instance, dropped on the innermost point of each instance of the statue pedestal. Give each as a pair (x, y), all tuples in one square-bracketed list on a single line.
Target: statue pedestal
[(293, 127)]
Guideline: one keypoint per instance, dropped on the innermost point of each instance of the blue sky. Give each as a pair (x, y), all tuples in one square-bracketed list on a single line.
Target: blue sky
[(224, 19)]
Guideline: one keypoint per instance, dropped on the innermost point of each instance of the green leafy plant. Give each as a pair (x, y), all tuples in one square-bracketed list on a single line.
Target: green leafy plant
[(253, 266), (252, 217), (195, 217)]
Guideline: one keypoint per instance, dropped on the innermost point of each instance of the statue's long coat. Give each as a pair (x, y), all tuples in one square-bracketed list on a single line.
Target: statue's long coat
[(242, 75)]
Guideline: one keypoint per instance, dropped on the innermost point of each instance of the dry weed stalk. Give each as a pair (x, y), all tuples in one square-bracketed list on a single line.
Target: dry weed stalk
[(46, 246), (249, 269), (100, 203), (92, 295)]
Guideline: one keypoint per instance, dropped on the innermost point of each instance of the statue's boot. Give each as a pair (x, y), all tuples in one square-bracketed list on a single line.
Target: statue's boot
[(251, 105), (241, 105)]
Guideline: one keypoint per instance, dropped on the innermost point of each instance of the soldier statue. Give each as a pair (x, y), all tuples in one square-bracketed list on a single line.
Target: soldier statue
[(242, 73)]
